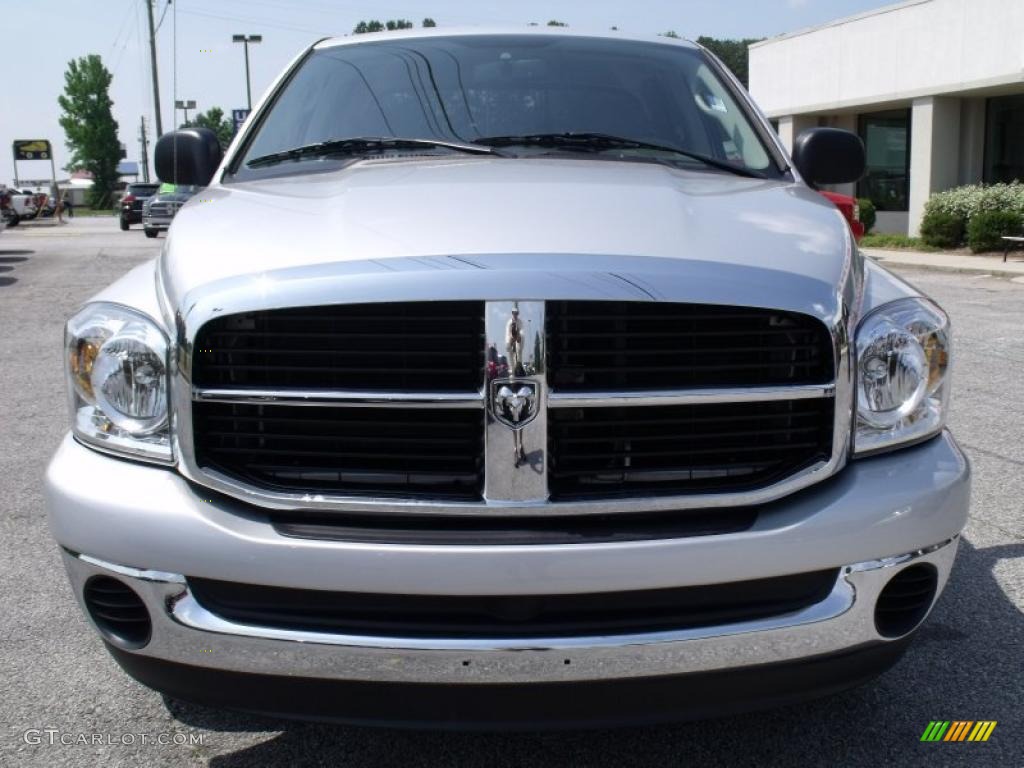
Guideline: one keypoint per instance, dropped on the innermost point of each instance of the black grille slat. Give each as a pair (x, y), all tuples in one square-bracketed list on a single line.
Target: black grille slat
[(601, 452), (630, 346), (728, 450), (411, 347), (297, 448), (351, 439), (722, 434), (512, 616), (638, 371)]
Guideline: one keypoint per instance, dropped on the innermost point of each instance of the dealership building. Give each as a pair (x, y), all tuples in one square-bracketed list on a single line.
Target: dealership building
[(935, 88)]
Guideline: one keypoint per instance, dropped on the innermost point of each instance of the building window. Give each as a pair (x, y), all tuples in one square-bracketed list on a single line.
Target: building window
[(886, 137), (1004, 150)]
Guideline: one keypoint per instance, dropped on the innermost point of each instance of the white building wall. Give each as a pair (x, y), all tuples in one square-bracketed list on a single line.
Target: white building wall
[(792, 126), (941, 58), (934, 148), (916, 48)]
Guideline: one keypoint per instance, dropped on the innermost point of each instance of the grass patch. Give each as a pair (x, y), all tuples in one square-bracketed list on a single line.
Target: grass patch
[(92, 212), (898, 242)]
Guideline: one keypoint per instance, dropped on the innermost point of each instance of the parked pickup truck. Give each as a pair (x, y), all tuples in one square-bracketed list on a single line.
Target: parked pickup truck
[(159, 211), (20, 206), (503, 380), (850, 209)]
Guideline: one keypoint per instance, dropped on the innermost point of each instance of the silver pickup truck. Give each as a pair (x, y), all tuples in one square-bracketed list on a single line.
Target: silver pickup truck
[(507, 380)]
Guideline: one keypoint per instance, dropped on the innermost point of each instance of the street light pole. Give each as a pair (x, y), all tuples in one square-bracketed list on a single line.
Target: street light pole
[(185, 105), (245, 40)]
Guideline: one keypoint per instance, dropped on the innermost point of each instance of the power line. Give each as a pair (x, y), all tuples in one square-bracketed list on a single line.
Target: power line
[(124, 25), (120, 56), (162, 15), (256, 22), (370, 10)]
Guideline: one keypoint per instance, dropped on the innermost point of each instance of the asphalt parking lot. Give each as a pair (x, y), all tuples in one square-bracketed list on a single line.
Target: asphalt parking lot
[(967, 662)]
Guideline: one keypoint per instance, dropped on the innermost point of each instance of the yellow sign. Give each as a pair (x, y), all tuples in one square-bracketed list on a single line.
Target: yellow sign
[(32, 149)]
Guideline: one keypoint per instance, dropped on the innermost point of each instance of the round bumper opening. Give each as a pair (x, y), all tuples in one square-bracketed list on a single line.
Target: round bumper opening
[(118, 612), (904, 601)]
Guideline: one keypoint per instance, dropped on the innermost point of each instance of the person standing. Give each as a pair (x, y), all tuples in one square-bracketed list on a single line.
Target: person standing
[(514, 343)]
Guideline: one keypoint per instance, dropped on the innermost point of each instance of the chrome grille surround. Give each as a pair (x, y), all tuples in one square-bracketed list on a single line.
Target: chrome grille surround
[(342, 283)]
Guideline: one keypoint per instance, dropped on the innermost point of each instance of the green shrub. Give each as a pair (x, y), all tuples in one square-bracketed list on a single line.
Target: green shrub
[(972, 199), (942, 229), (867, 213), (986, 228)]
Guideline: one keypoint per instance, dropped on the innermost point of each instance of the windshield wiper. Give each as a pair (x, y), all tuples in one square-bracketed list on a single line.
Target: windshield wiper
[(362, 144), (599, 142)]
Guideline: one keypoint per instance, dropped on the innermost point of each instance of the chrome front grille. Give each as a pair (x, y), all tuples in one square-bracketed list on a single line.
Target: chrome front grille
[(163, 209), (513, 408)]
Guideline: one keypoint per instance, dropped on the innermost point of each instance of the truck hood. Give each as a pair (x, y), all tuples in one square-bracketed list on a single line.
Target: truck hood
[(672, 233)]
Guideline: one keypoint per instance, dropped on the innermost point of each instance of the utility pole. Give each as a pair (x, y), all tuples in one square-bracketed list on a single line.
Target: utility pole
[(152, 58), (246, 39), (145, 149)]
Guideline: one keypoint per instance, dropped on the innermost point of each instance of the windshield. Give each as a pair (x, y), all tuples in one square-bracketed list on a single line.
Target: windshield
[(479, 87)]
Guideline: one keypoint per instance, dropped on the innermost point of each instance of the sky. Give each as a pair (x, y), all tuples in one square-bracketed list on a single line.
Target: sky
[(39, 38)]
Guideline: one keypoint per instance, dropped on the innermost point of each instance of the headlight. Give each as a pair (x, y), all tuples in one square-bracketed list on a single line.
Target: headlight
[(903, 357), (117, 376)]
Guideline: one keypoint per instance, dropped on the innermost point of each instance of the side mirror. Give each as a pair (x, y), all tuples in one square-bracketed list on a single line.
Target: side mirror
[(188, 156), (829, 156)]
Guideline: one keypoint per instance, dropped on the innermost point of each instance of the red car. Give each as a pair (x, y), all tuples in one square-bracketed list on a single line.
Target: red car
[(850, 210)]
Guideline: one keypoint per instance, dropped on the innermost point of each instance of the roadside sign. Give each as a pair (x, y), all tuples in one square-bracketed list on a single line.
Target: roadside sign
[(37, 149), (238, 117), (32, 149)]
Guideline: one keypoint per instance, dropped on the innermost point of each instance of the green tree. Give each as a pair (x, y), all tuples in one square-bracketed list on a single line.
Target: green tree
[(368, 26), (733, 54), (554, 23), (379, 26), (429, 22), (671, 33), (89, 127), (214, 119)]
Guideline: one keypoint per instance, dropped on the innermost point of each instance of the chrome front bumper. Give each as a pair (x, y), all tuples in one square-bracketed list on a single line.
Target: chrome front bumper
[(185, 632), (149, 527)]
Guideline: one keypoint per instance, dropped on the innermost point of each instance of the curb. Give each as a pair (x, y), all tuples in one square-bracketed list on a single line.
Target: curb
[(995, 271)]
